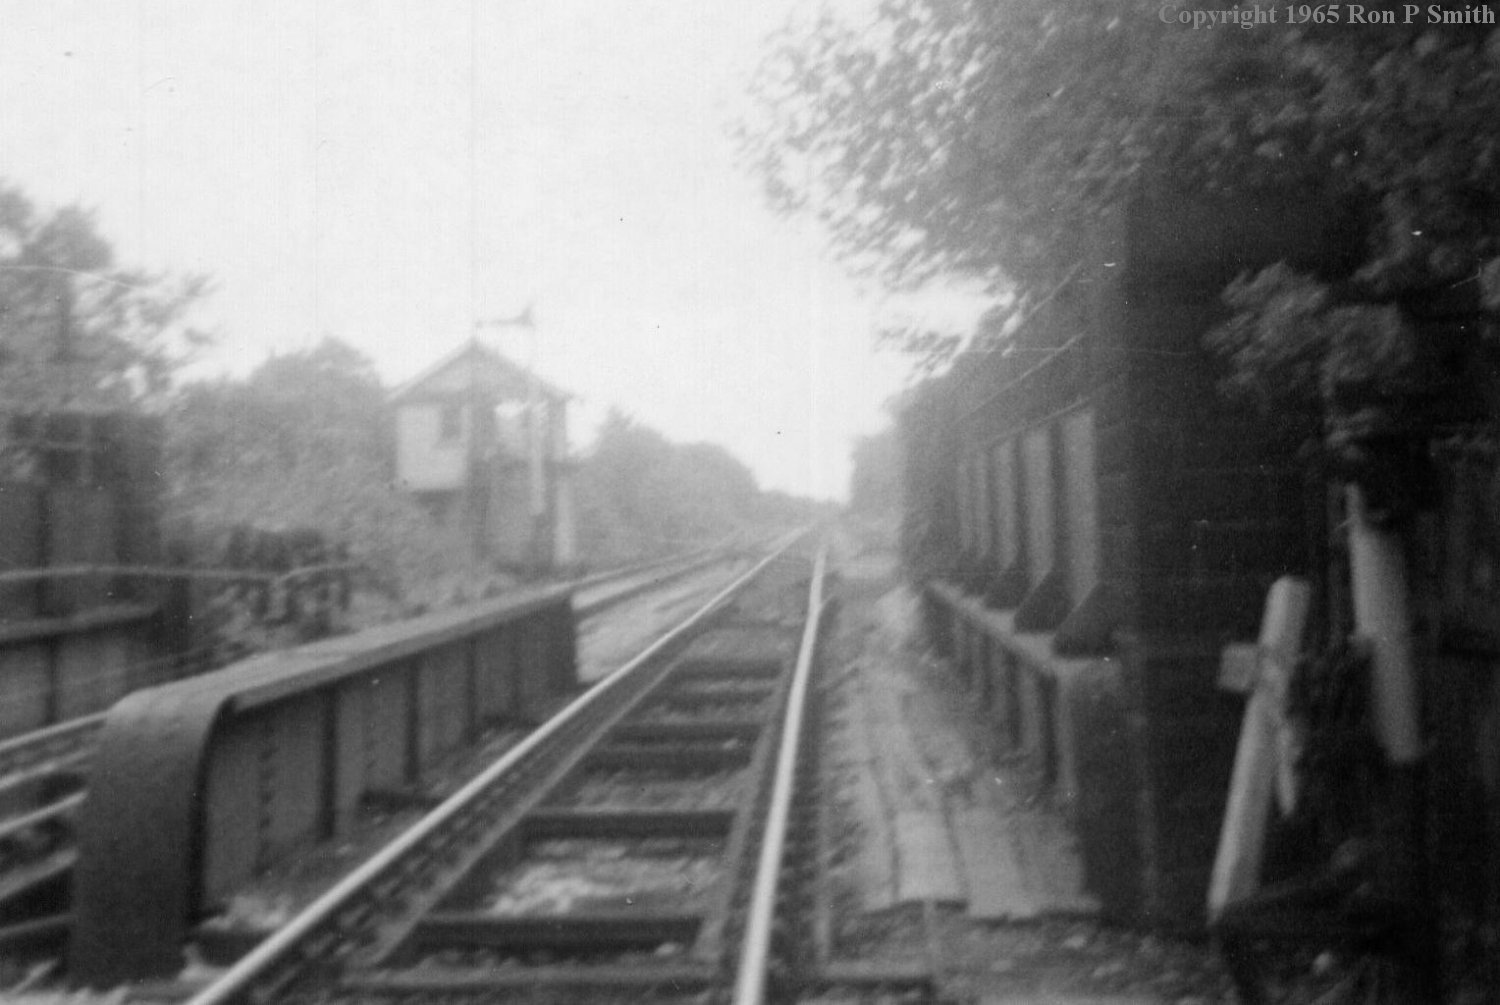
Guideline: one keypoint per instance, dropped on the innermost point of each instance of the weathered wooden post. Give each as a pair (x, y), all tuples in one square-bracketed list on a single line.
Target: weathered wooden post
[(1382, 617), (1264, 757)]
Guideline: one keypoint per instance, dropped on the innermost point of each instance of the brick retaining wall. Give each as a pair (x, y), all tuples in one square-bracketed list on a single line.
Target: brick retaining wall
[(1197, 505)]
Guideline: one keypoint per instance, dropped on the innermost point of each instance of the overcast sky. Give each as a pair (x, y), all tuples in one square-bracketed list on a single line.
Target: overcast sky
[(388, 171)]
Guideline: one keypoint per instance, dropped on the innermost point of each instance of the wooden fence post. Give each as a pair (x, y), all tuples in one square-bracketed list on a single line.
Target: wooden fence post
[(1263, 758)]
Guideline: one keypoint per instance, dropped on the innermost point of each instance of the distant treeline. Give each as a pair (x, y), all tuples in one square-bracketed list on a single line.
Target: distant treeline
[(306, 441)]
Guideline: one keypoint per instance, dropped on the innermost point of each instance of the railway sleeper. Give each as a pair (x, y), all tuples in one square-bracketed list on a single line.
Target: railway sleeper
[(708, 730), (700, 690), (684, 759), (873, 977), (690, 700), (675, 977), (646, 789), (573, 935), (518, 852), (745, 667), (595, 823)]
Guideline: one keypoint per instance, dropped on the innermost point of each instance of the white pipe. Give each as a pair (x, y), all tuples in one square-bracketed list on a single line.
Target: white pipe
[(1377, 569)]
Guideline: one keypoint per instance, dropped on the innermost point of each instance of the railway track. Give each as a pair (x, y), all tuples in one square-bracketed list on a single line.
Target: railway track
[(593, 595), (639, 843), (43, 778)]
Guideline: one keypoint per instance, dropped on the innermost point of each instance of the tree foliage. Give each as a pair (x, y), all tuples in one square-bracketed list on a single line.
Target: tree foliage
[(639, 494), (957, 136), (303, 441), (984, 138), (77, 330)]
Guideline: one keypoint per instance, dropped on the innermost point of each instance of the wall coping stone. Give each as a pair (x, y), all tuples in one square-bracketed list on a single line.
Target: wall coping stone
[(1033, 648)]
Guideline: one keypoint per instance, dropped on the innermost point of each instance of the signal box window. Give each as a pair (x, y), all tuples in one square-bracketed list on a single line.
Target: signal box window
[(450, 423)]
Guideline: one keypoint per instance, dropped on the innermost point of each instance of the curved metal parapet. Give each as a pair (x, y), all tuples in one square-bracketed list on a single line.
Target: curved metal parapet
[(197, 784), (137, 832)]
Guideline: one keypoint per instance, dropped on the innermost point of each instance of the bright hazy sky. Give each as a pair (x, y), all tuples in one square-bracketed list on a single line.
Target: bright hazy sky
[(388, 171)]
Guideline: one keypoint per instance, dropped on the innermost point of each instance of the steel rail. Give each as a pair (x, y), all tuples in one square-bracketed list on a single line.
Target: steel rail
[(660, 574), (750, 980), (238, 982), (636, 568)]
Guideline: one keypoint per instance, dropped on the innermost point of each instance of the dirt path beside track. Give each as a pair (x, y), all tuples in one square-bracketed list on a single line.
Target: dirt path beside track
[(951, 854)]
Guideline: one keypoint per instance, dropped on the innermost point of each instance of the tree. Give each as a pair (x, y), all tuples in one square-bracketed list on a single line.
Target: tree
[(956, 136), (715, 492), (320, 408), (623, 505), (984, 138), (303, 442), (640, 494), (76, 330)]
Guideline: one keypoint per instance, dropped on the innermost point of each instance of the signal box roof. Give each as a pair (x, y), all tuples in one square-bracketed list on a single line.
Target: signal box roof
[(474, 368)]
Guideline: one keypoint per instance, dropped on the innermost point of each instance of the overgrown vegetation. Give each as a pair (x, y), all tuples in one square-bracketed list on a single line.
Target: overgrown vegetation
[(303, 441), (640, 494), (76, 329), (988, 139)]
